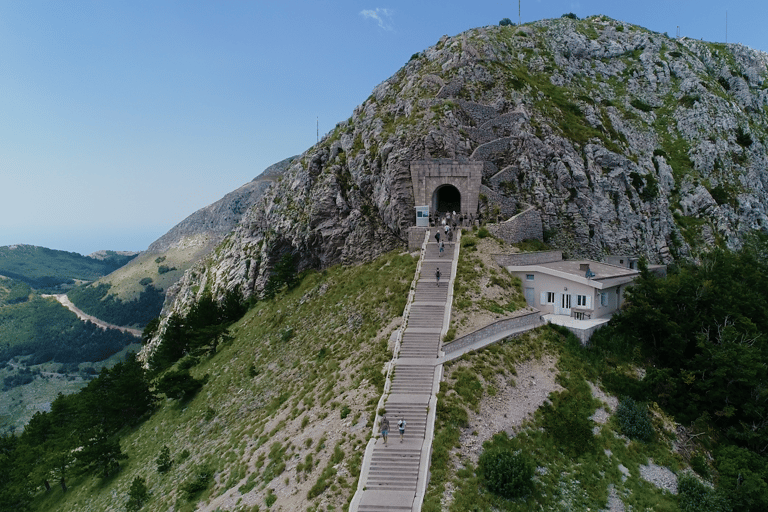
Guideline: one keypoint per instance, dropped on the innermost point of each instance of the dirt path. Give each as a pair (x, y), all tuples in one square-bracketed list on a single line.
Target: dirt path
[(64, 300)]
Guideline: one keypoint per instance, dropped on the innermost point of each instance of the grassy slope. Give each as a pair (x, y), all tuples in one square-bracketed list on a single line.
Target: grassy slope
[(270, 417), (32, 263), (564, 480)]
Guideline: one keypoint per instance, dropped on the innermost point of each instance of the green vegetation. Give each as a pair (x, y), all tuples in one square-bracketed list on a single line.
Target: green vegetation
[(45, 331), (506, 473), (269, 416), (47, 269), (96, 300), (634, 420)]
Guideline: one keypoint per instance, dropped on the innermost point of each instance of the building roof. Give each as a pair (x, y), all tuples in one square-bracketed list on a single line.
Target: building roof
[(604, 275)]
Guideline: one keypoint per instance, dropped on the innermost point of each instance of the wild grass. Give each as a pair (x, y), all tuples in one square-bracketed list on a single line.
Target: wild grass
[(260, 415), (576, 459)]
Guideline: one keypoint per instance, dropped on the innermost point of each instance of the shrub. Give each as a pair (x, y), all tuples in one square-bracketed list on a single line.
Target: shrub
[(145, 281), (743, 138), (164, 461), (179, 384), (505, 473), (137, 495), (641, 105), (345, 410), (483, 233), (198, 482), (694, 496), (506, 22), (634, 421), (570, 15)]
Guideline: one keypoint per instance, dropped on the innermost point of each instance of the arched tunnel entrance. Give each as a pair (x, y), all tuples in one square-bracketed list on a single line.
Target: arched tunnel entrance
[(446, 198)]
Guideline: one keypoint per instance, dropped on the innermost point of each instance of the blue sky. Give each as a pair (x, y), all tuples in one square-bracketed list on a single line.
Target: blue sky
[(119, 119)]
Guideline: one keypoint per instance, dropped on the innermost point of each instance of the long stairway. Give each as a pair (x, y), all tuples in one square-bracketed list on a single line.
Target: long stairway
[(394, 476)]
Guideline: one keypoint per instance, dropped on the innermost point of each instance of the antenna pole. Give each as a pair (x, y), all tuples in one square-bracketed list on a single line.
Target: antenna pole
[(726, 27), (317, 127), (519, 17)]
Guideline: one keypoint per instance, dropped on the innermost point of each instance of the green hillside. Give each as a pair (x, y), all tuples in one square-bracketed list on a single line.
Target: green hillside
[(48, 268), (286, 404)]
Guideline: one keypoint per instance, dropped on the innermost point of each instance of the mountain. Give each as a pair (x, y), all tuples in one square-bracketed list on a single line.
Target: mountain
[(625, 140), (166, 259), (48, 268)]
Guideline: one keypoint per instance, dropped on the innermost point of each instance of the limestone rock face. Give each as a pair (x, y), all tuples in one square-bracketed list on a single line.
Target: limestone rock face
[(625, 140)]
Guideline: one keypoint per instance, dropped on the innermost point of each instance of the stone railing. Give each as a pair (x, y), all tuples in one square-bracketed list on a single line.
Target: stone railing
[(530, 319)]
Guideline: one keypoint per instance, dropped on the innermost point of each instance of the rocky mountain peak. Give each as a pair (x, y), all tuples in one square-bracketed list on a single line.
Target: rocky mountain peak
[(626, 141)]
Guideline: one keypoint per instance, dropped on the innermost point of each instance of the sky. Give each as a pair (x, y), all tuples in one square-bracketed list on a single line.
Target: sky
[(118, 119)]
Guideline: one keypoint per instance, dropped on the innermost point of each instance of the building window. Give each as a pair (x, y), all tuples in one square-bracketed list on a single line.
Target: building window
[(566, 301), (529, 277), (581, 300), (603, 299), (550, 297)]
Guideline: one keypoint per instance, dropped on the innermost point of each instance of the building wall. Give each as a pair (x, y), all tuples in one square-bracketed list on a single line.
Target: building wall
[(543, 283)]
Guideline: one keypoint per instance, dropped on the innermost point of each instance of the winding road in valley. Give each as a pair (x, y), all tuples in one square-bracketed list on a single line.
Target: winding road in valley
[(64, 300)]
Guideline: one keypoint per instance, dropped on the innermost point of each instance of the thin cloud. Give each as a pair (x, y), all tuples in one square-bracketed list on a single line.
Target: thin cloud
[(382, 16)]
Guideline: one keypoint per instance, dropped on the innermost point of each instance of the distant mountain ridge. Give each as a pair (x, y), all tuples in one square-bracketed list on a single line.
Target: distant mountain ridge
[(43, 267), (217, 220)]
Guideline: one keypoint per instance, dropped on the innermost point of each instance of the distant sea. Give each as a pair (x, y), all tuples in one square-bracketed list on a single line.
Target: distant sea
[(84, 241)]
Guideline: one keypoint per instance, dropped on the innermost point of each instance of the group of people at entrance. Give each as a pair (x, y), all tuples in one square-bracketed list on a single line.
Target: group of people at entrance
[(385, 429), (451, 218)]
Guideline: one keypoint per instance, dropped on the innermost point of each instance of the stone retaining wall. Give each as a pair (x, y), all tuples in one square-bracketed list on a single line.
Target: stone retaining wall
[(526, 225), (415, 237), (528, 258), (527, 319)]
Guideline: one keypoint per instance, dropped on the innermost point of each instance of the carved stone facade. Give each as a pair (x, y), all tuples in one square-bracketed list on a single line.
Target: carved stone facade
[(447, 185)]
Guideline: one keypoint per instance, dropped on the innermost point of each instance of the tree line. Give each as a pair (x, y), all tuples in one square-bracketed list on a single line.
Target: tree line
[(702, 335)]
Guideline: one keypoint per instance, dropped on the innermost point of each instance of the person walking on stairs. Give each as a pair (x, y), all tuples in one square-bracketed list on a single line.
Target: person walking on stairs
[(437, 276), (401, 426), (384, 429), (441, 245)]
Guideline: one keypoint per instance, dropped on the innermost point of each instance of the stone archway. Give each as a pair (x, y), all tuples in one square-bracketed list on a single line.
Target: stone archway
[(447, 185), (446, 198)]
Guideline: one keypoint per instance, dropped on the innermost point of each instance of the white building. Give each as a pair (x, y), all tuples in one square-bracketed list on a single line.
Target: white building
[(581, 289)]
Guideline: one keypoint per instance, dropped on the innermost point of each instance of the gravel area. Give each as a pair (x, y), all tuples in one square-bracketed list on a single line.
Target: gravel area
[(516, 400), (659, 476)]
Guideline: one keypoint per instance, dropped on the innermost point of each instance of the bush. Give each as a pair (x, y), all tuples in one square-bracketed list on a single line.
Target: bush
[(137, 495), (483, 233), (505, 473), (634, 421), (641, 105), (145, 281), (198, 482), (570, 15), (743, 138), (694, 496), (164, 460), (179, 384), (345, 410), (506, 22)]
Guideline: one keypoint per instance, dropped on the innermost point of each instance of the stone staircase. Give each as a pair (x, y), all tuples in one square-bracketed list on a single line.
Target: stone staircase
[(393, 477)]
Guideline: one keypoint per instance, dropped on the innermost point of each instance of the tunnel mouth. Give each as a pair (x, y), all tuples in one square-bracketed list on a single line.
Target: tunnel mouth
[(446, 198)]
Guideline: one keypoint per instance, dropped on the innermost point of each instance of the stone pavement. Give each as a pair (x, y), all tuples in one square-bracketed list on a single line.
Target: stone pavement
[(394, 476)]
